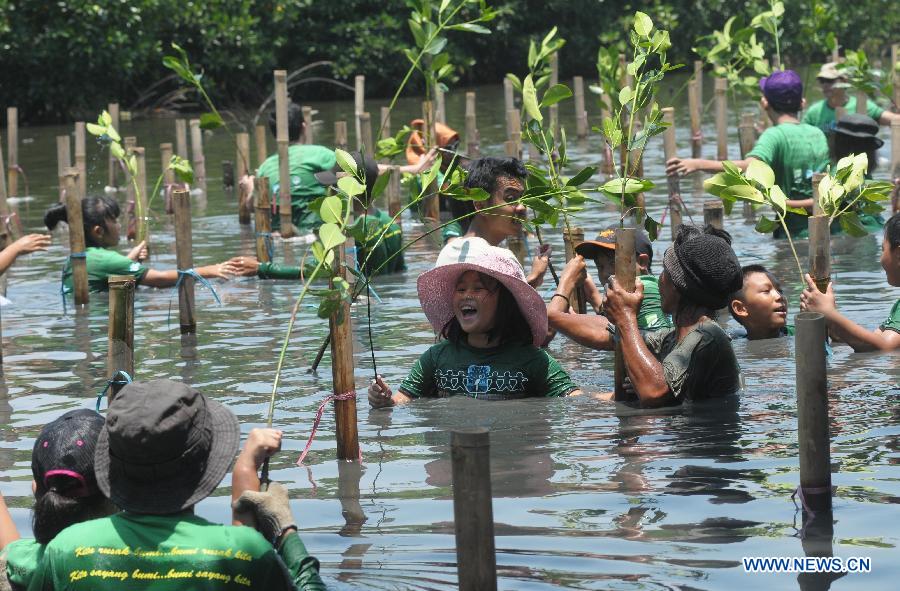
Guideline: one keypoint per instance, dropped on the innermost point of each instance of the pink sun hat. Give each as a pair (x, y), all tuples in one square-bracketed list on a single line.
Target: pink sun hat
[(436, 286)]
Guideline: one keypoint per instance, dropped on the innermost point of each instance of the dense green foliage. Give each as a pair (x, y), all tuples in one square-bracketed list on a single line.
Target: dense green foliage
[(66, 58)]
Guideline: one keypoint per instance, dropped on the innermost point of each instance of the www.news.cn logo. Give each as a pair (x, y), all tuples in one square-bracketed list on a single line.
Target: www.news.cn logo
[(807, 564)]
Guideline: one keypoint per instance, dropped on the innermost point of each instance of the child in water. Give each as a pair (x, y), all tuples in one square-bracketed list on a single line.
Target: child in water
[(760, 306), (101, 235), (491, 323)]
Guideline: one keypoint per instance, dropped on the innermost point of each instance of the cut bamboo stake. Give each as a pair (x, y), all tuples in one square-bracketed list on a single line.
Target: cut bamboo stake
[(120, 334), (81, 157), (820, 251), (4, 206), (130, 212), (12, 150), (263, 220), (165, 156), (895, 148), (508, 97), (342, 373), (861, 102), (671, 151), (554, 80), (393, 196), (184, 257), (340, 135), (309, 133), (581, 120), (431, 204), (476, 560), (284, 166), (473, 143), (517, 245), (76, 237), (440, 106), (895, 63), (721, 119), (112, 179), (197, 153), (181, 145), (812, 411), (142, 229), (816, 179), (714, 214), (359, 106), (63, 161), (747, 139), (242, 161), (513, 131), (626, 273), (365, 128), (570, 240), (262, 150), (695, 112)]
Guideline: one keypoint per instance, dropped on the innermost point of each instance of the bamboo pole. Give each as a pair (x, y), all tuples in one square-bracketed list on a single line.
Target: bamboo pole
[(81, 156), (581, 120), (476, 560), (262, 150), (820, 251), (517, 245), (895, 148), (554, 109), (670, 149), (142, 228), (694, 107), (895, 63), (284, 167), (812, 411), (440, 106), (365, 128), (63, 161), (721, 119), (747, 139), (359, 105), (130, 213), (340, 135), (473, 143), (570, 240), (4, 206), (385, 122), (514, 131), (245, 204), (165, 156), (112, 179), (816, 179), (349, 475), (714, 214), (120, 334), (263, 220), (393, 196), (342, 373), (508, 97), (181, 145), (76, 236), (431, 204), (197, 153), (12, 150), (861, 102), (184, 256), (626, 274), (309, 133)]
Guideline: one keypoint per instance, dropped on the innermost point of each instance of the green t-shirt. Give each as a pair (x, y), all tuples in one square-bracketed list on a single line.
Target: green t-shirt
[(893, 319), (22, 559), (821, 115), (165, 552), (305, 160), (101, 263), (701, 366), (388, 246), (794, 151), (499, 373), (650, 314)]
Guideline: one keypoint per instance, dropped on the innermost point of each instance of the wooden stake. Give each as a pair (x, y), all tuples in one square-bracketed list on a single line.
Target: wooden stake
[(181, 146), (184, 256), (812, 411), (197, 153), (517, 245), (12, 150), (262, 150), (895, 148), (130, 213), (721, 119), (746, 134), (359, 102), (476, 560), (626, 274), (581, 120), (816, 179), (508, 96), (695, 107), (284, 165), (393, 196), (142, 232), (112, 180), (365, 128), (895, 63), (431, 211), (554, 80), (76, 236), (514, 131), (120, 355), (263, 220), (820, 251), (440, 107), (385, 122), (165, 156), (342, 373), (570, 240), (340, 135), (4, 206), (473, 143), (861, 102), (63, 161), (81, 157), (671, 151), (714, 214), (308, 131), (245, 205)]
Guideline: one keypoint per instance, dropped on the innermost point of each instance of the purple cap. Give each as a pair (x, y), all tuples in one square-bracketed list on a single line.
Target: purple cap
[(783, 90)]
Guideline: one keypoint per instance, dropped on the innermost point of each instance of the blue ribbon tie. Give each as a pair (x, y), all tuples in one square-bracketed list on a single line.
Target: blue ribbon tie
[(203, 281), (270, 244), (120, 378)]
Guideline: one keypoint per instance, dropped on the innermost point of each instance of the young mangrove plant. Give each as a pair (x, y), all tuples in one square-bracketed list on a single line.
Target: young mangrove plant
[(845, 195)]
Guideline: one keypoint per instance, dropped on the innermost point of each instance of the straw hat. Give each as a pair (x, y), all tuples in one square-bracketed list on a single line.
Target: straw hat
[(436, 287)]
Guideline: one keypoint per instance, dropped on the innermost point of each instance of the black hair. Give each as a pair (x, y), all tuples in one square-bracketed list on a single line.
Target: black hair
[(844, 145), (510, 324), (54, 511), (746, 271), (95, 211), (484, 172), (892, 231), (295, 122)]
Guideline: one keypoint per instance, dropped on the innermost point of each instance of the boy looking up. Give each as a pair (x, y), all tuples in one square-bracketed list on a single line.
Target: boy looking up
[(759, 306)]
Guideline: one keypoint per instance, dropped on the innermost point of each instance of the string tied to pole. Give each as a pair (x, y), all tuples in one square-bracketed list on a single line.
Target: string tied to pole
[(351, 395), (270, 244), (62, 279), (800, 493), (120, 378), (203, 281)]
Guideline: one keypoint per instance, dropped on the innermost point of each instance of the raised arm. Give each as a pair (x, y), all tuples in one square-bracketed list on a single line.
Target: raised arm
[(588, 330), (24, 245)]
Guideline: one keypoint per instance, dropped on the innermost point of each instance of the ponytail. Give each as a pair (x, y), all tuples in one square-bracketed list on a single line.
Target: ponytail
[(53, 512), (55, 213), (95, 211)]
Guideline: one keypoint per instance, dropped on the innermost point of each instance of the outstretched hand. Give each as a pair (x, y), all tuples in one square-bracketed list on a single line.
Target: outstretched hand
[(245, 266), (681, 166), (31, 243)]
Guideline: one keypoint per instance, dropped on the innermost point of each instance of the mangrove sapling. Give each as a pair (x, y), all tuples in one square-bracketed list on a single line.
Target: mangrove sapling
[(845, 194), (864, 78)]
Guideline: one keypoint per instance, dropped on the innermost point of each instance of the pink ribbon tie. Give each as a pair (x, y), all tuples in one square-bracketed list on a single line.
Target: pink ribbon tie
[(330, 398)]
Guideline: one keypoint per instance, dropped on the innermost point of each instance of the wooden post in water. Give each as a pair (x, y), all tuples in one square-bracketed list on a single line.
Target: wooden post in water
[(284, 165), (309, 133), (12, 150), (393, 196), (721, 119), (570, 240), (342, 373), (199, 161), (895, 150), (581, 120), (142, 230), (263, 220), (242, 162), (626, 273), (340, 135), (554, 80), (514, 132), (184, 256), (508, 96), (112, 180), (812, 411), (431, 206), (385, 122), (517, 245), (165, 155), (473, 143), (895, 63), (861, 102), (671, 151), (365, 128), (820, 251), (714, 214), (816, 179), (76, 237), (130, 212), (262, 150), (695, 104), (359, 105), (440, 106), (81, 157), (473, 514), (63, 161), (120, 334), (747, 139), (181, 145), (4, 206)]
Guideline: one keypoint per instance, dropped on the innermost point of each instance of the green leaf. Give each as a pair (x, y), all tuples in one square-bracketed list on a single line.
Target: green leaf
[(612, 132), (431, 174), (182, 169), (322, 255), (470, 28), (851, 225), (731, 169), (210, 121), (762, 173), (115, 148), (417, 32), (778, 198), (555, 94), (582, 176), (643, 26), (632, 185), (517, 84), (350, 186), (529, 98), (742, 192), (436, 45), (330, 303), (331, 210), (95, 129), (766, 226), (345, 161), (331, 236), (625, 95), (461, 193), (652, 227), (380, 184)]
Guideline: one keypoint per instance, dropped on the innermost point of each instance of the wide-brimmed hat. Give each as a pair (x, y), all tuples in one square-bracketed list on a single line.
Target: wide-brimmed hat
[(63, 454), (859, 126), (164, 447), (829, 71), (436, 286), (784, 90), (606, 240), (703, 266), (364, 164)]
